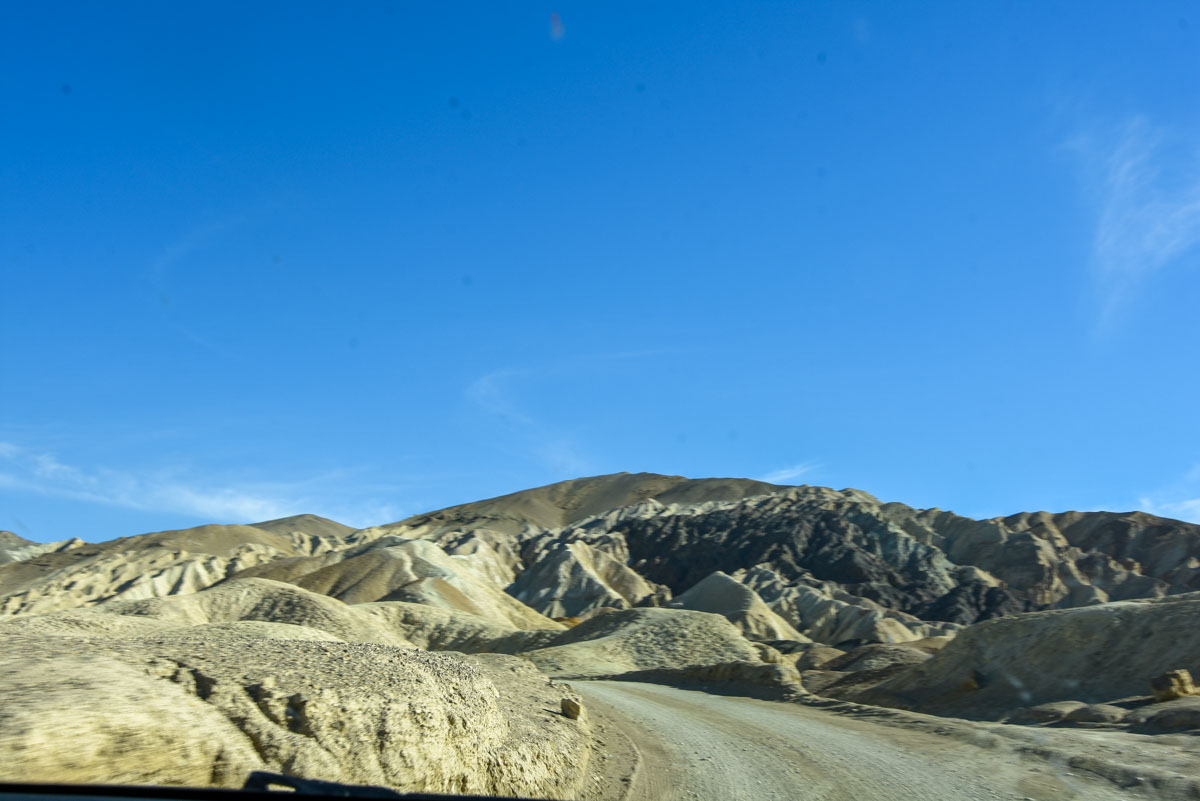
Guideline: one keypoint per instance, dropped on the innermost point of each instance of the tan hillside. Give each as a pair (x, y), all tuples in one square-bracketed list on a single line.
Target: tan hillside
[(640, 639), (567, 502), (712, 582), (155, 564), (723, 595)]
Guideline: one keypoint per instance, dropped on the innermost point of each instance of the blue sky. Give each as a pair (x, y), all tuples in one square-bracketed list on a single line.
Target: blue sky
[(369, 260)]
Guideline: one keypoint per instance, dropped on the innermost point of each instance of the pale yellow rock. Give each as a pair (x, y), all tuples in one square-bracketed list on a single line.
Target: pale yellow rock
[(394, 568), (637, 639), (571, 708), (201, 711), (573, 579), (723, 595), (249, 607), (77, 574), (1172, 684)]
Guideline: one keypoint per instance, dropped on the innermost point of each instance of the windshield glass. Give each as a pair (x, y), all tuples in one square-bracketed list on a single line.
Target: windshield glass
[(602, 401)]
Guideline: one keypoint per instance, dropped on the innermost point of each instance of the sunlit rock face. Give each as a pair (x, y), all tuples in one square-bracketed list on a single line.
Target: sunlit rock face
[(205, 710), (831, 565), (286, 644)]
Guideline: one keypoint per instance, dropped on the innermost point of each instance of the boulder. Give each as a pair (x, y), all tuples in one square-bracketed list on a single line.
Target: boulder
[(1171, 685), (571, 708)]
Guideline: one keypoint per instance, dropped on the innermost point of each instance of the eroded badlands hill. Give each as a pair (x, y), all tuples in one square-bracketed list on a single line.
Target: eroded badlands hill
[(638, 575)]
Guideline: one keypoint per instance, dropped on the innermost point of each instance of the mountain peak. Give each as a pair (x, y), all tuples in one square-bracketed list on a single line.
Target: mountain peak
[(566, 502)]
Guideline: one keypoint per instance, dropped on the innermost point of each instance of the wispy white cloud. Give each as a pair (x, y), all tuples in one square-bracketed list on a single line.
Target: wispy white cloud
[(1187, 509), (366, 513), (1145, 185), (1178, 508), (786, 474), (42, 473), (564, 457), (1180, 500), (496, 393), (493, 392), (178, 252), (556, 449), (490, 393)]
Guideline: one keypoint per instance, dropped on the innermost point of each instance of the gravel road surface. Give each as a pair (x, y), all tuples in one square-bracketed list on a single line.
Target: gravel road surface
[(699, 746)]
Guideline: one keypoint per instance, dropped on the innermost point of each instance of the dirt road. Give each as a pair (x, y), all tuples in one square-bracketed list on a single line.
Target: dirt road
[(700, 746)]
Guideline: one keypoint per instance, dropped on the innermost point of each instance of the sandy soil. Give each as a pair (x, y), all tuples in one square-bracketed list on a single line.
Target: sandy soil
[(695, 745)]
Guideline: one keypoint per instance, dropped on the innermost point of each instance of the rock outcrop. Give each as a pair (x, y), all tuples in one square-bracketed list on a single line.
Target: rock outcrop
[(827, 613), (640, 639), (244, 605), (1172, 684), (394, 568), (206, 711), (723, 595), (438, 629), (568, 579), (19, 549), (158, 564)]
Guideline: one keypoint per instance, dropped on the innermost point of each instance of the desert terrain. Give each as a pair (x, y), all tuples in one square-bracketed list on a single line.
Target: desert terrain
[(629, 636)]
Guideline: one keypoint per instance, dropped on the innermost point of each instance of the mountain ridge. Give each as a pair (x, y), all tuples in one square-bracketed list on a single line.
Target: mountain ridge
[(846, 545), (779, 592)]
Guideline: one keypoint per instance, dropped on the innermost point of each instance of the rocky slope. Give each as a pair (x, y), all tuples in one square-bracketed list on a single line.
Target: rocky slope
[(162, 563), (641, 576), (206, 711), (833, 565), (567, 502), (1096, 654), (19, 549)]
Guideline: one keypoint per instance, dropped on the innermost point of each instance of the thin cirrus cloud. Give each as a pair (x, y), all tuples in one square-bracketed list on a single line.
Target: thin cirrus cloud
[(496, 394), (1180, 501), (26, 470), (556, 449), (1145, 185), (1186, 509), (786, 474)]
